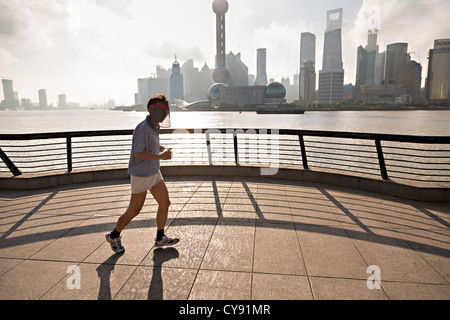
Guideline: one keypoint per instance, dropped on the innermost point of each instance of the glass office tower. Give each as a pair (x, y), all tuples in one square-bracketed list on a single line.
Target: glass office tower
[(438, 76), (331, 77)]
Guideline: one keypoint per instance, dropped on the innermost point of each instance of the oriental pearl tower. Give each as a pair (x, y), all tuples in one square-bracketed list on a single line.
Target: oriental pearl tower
[(220, 73)]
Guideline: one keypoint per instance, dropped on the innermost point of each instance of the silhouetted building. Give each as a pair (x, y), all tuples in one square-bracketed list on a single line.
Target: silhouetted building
[(11, 100), (176, 84), (147, 87), (307, 83), (307, 78), (62, 102), (8, 90), (438, 75), (206, 81), (349, 92), (191, 80), (366, 57), (238, 70), (261, 75), (307, 47), (396, 55), (380, 61), (409, 76), (220, 73), (331, 77), (42, 98), (245, 95), (370, 92)]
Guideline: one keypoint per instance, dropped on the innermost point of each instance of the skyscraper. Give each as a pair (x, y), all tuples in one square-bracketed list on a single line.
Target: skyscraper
[(409, 76), (147, 87), (191, 80), (238, 70), (396, 55), (176, 84), (11, 100), (438, 75), (62, 102), (307, 47), (365, 63), (307, 81), (261, 76), (220, 73), (8, 91), (42, 98), (331, 77)]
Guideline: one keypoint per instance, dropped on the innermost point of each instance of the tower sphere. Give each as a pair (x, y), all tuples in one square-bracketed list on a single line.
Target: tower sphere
[(213, 92), (275, 90), (220, 6), (221, 75)]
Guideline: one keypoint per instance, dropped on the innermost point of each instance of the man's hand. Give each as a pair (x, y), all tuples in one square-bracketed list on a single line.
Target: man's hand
[(167, 155), (161, 148)]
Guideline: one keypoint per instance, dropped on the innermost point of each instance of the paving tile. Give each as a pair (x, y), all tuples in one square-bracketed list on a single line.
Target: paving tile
[(277, 250), (33, 233), (31, 279), (396, 259), (280, 287), (328, 251), (26, 204), (275, 212), (416, 291), (189, 252), (317, 212), (138, 240), (80, 242), (344, 289), (8, 264), (221, 285), (96, 281), (231, 246), (432, 245), (158, 283)]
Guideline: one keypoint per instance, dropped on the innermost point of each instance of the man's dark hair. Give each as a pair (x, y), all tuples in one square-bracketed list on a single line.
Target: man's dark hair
[(157, 98)]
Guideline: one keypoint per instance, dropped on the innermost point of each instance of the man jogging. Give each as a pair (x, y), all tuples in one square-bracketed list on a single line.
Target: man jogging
[(145, 174)]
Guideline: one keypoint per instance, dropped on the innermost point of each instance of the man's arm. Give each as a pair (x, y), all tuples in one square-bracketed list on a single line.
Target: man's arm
[(166, 155)]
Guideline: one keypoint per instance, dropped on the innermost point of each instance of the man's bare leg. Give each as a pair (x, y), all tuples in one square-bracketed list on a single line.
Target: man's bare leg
[(136, 202), (161, 195)]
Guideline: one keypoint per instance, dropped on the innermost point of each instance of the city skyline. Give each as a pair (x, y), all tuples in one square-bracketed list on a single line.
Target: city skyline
[(95, 51)]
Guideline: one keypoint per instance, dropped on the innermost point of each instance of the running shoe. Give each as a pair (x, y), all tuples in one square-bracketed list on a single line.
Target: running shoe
[(166, 241), (116, 244)]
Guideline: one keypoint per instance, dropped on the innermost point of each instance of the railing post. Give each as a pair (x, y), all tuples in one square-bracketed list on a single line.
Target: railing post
[(381, 162), (11, 166), (235, 142), (208, 147), (303, 150), (69, 153)]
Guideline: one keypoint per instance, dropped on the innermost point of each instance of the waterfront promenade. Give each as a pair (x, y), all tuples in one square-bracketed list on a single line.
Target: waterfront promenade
[(241, 238)]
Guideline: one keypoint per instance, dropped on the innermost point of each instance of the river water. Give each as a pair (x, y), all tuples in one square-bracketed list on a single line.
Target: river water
[(429, 123)]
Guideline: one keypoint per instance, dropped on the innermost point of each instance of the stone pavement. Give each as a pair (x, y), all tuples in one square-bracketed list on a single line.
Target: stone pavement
[(241, 238)]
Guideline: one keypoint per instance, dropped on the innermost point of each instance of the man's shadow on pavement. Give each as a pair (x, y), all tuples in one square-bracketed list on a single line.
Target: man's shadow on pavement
[(160, 255), (155, 291), (104, 273)]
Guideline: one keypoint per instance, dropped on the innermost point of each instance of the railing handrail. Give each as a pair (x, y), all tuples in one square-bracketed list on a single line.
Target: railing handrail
[(317, 133)]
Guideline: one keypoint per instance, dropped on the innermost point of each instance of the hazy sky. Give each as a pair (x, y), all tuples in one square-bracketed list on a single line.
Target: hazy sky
[(94, 50)]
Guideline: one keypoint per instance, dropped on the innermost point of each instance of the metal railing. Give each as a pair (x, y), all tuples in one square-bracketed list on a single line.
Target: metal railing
[(419, 158)]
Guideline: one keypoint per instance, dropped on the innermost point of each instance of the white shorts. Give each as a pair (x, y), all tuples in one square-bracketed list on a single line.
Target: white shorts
[(142, 184)]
